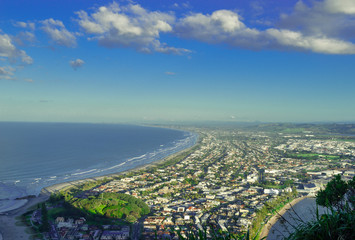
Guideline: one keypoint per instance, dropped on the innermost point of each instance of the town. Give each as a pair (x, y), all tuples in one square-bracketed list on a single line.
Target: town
[(220, 183)]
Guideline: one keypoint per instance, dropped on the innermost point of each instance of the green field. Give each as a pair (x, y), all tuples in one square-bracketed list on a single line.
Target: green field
[(312, 156)]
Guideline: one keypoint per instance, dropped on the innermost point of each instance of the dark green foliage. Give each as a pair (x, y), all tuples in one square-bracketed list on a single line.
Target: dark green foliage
[(336, 225), (333, 193), (191, 181), (45, 224)]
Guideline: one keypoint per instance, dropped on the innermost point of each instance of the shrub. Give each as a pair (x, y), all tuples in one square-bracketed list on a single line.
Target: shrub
[(339, 221)]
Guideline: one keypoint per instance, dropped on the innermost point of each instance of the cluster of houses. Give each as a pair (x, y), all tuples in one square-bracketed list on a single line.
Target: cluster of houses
[(72, 229), (221, 183), (319, 146), (226, 192)]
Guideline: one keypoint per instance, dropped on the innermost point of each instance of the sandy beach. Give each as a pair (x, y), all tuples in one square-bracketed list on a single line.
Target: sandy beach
[(9, 230), (9, 227)]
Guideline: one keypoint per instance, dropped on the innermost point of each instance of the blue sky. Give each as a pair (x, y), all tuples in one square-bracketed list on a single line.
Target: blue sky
[(150, 61)]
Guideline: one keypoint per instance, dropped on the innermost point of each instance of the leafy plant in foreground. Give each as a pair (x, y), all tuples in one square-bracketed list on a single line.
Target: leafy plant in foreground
[(339, 221)]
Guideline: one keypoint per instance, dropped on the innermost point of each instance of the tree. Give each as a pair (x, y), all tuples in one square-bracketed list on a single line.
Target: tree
[(334, 192), (45, 224)]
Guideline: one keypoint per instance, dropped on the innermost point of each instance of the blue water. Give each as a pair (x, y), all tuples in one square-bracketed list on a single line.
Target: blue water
[(36, 155)]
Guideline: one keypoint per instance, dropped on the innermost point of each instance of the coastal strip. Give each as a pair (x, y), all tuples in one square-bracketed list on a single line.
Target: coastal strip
[(9, 227), (71, 184)]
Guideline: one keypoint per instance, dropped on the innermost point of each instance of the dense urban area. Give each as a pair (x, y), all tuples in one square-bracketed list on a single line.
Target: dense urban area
[(222, 183)]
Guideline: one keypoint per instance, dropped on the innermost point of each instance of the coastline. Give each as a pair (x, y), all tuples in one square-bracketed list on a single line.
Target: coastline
[(274, 219), (8, 228), (67, 185)]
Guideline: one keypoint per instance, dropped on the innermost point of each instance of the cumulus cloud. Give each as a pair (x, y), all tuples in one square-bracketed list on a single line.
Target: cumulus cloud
[(330, 18), (57, 32), (222, 26), (75, 64), (316, 44), (24, 37), (7, 73), (340, 6), (115, 26), (9, 51), (224, 20), (30, 25), (226, 27)]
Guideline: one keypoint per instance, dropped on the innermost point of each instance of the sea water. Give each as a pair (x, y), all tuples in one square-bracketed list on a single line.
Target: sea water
[(37, 155)]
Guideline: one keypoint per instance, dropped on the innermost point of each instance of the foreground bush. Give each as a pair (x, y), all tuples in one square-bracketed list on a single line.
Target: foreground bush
[(339, 221)]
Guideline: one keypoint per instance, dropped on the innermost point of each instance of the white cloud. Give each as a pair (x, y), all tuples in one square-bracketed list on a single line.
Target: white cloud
[(221, 20), (222, 26), (22, 37), (331, 18), (170, 73), (225, 27), (340, 6), (75, 64), (29, 25), (7, 73), (312, 43), (57, 32), (129, 26), (10, 52)]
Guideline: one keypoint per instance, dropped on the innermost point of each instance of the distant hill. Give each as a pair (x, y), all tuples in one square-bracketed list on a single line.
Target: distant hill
[(332, 128)]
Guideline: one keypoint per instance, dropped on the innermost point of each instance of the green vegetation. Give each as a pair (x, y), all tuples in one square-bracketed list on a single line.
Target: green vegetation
[(45, 223), (293, 130), (312, 156), (104, 205), (114, 205), (105, 208), (191, 181), (334, 192), (339, 221), (270, 184)]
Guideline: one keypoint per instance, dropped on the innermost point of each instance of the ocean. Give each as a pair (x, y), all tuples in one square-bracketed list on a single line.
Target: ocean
[(37, 155)]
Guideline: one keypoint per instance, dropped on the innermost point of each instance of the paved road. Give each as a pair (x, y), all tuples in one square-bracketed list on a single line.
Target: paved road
[(305, 209)]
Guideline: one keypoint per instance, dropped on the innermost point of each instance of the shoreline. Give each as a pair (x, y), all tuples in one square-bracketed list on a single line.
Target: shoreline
[(67, 185), (275, 218), (8, 228)]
